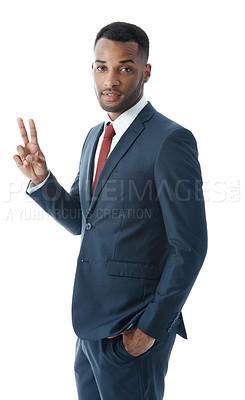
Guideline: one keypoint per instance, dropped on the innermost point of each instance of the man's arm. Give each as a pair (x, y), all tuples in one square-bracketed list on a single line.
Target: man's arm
[(64, 207), (179, 186)]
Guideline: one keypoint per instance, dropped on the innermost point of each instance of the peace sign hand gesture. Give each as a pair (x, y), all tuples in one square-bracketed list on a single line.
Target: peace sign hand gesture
[(31, 160)]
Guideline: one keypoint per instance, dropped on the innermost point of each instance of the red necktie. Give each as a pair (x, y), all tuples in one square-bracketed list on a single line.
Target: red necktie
[(104, 151)]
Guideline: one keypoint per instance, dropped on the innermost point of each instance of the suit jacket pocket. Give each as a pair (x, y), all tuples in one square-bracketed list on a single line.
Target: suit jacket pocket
[(133, 269), (130, 285)]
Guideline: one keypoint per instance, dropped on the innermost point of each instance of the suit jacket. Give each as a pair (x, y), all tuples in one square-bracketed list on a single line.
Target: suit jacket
[(143, 233)]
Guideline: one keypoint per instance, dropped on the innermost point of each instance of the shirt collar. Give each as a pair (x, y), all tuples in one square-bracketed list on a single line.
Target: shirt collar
[(122, 123)]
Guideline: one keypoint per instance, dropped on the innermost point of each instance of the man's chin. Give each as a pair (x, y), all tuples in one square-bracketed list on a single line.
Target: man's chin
[(111, 108)]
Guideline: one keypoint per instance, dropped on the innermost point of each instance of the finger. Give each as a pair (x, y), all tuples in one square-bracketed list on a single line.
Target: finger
[(18, 160), (22, 155), (33, 131), (21, 152), (23, 131)]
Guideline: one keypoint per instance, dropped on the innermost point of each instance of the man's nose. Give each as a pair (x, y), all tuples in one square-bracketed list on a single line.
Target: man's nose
[(112, 79)]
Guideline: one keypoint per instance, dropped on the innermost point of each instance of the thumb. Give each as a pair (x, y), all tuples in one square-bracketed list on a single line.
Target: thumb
[(112, 337), (35, 159)]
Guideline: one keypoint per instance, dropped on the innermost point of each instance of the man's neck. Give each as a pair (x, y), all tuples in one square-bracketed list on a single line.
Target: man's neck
[(114, 116)]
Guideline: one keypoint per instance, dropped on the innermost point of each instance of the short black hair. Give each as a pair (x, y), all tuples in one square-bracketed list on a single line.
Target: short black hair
[(125, 32)]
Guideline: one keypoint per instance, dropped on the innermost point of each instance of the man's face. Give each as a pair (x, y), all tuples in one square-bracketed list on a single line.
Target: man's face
[(119, 75)]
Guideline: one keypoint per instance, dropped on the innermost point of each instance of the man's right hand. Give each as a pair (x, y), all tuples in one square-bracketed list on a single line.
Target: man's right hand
[(30, 159)]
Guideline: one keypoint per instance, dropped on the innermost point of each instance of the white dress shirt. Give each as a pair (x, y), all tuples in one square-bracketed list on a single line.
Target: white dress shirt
[(120, 125)]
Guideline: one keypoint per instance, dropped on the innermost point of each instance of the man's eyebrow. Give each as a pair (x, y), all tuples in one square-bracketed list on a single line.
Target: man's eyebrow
[(126, 61), (120, 62)]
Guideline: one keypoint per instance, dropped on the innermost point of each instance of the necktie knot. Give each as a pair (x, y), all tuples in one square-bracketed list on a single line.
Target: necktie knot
[(109, 132)]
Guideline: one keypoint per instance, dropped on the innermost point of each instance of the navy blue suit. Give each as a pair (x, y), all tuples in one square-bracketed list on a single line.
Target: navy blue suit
[(143, 233)]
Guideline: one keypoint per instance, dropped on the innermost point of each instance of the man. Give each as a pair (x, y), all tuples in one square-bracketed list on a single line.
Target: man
[(137, 203)]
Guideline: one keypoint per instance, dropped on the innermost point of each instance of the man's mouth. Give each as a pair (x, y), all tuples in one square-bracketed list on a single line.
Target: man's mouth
[(110, 95)]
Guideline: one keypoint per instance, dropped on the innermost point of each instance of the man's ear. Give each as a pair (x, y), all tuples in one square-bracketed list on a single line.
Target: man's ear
[(147, 72)]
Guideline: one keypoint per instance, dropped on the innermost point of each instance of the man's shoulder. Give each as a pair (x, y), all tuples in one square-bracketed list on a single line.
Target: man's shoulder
[(160, 122)]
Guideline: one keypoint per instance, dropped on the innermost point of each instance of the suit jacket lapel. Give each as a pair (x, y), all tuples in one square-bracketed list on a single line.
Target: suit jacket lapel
[(87, 166), (118, 152)]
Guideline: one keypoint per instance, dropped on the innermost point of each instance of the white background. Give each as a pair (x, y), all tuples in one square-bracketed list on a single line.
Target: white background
[(197, 50)]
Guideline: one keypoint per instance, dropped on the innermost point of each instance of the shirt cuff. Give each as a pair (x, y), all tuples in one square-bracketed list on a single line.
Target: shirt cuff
[(31, 188)]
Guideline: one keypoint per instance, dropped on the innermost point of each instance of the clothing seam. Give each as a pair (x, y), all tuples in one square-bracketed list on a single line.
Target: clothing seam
[(120, 228), (140, 380), (148, 241)]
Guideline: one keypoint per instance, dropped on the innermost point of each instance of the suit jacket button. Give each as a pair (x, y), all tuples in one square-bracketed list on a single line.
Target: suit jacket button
[(88, 226)]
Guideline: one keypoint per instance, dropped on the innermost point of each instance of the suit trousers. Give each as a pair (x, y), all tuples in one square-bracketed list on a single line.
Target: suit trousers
[(104, 370)]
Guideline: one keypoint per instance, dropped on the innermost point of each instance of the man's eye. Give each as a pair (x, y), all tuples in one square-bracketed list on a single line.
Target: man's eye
[(100, 68), (126, 69)]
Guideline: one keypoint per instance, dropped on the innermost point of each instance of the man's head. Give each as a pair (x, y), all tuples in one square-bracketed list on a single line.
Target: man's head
[(120, 68)]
